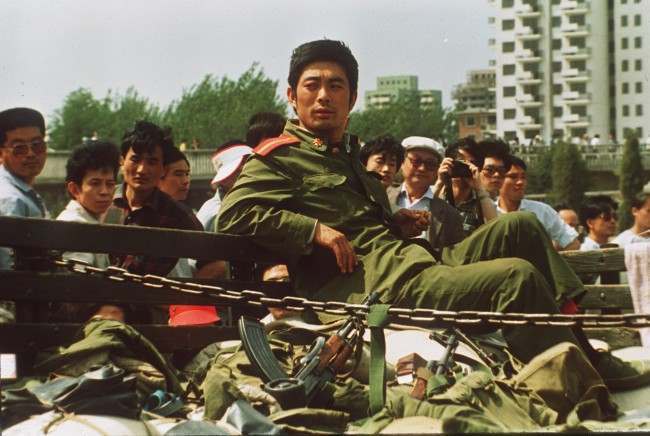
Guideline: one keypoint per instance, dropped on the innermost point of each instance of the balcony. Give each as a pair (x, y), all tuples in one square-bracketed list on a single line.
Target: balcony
[(575, 120), (529, 78), (574, 29), (528, 33), (573, 75), (528, 55), (572, 7), (529, 100), (576, 53), (574, 98), (526, 10), (528, 123)]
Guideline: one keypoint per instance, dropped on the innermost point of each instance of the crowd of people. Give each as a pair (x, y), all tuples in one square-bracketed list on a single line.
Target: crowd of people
[(455, 233)]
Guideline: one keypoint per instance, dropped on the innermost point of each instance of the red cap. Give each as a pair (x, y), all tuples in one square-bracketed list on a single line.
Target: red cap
[(192, 315)]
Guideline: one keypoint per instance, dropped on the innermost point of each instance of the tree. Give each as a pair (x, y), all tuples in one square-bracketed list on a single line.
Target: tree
[(539, 172), (401, 118), (217, 110), (569, 175), (631, 180), (83, 116)]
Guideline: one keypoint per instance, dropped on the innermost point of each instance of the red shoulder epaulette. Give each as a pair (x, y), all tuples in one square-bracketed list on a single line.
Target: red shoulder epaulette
[(267, 146)]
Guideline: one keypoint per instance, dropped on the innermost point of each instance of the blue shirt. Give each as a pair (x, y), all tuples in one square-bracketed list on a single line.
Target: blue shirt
[(17, 198)]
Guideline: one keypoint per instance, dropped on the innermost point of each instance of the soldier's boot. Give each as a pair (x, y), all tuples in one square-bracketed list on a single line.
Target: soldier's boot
[(620, 375)]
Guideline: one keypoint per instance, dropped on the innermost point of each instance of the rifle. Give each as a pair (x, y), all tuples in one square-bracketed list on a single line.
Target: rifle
[(325, 359)]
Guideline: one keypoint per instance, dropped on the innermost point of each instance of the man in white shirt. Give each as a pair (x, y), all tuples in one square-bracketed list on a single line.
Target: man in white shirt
[(511, 199), (91, 171), (598, 217), (640, 231)]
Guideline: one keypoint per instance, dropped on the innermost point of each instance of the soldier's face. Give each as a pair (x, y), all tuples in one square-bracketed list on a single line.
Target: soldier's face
[(323, 99)]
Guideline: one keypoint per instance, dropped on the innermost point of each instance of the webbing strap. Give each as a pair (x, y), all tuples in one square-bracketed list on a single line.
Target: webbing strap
[(377, 320)]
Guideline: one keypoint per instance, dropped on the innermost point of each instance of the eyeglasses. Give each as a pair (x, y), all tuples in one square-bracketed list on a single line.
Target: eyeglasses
[(493, 170), (38, 146), (429, 164), (608, 216)]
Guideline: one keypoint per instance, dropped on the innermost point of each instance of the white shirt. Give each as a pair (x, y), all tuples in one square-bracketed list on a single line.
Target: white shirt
[(75, 212), (589, 244), (422, 203), (557, 229), (629, 237), (209, 211)]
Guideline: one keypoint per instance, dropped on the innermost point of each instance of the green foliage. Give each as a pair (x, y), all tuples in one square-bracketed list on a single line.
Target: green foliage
[(401, 118), (539, 172), (83, 116), (217, 110), (213, 111), (569, 175), (631, 180)]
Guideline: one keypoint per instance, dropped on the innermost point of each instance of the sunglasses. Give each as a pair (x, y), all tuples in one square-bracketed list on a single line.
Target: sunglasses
[(608, 216), (492, 170), (38, 146)]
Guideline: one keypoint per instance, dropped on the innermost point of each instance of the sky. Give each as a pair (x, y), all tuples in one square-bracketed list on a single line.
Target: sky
[(49, 48)]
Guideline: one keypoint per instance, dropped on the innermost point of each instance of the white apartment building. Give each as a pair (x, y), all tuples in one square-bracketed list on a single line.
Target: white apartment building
[(557, 64), (632, 63)]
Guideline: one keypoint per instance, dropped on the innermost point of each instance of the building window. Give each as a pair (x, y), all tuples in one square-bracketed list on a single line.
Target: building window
[(638, 87), (507, 3), (557, 44), (508, 47), (637, 20), (508, 69), (624, 20), (638, 66), (470, 121), (509, 114), (639, 110), (639, 132), (626, 110), (507, 24), (624, 65), (556, 21), (623, 2), (637, 42), (557, 88), (557, 67), (557, 111), (624, 43), (625, 88), (509, 91)]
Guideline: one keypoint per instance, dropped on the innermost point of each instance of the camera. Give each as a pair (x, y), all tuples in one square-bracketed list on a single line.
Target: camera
[(460, 169)]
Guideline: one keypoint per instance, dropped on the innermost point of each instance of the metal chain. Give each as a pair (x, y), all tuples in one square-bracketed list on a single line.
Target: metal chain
[(413, 317)]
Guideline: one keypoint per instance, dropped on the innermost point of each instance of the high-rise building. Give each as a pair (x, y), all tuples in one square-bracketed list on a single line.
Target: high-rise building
[(561, 66), (631, 39), (390, 88), (475, 104)]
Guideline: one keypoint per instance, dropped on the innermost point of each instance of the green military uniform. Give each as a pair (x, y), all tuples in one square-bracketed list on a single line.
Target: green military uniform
[(284, 190)]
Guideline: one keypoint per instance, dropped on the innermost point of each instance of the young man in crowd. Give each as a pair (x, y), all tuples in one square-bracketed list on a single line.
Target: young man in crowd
[(384, 156), (24, 152), (175, 181), (264, 125), (598, 217), (91, 173), (640, 230), (460, 183), (307, 196), (419, 170), (496, 163), (511, 199), (145, 151)]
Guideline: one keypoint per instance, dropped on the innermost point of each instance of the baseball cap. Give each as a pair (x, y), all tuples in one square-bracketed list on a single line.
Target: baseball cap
[(192, 315), (227, 160), (424, 143)]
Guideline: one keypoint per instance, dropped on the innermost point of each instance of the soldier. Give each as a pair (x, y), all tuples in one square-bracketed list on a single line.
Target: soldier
[(306, 195)]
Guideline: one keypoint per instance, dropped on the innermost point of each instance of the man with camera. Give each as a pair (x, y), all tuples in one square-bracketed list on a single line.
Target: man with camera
[(460, 184)]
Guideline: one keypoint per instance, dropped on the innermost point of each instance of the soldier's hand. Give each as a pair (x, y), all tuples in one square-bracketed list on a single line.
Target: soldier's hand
[(412, 222), (337, 242)]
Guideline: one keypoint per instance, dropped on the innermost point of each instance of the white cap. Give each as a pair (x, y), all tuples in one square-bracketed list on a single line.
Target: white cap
[(227, 160), (422, 142)]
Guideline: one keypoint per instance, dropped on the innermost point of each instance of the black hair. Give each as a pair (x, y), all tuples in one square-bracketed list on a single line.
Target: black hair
[(15, 118), (145, 137), (562, 206), (176, 155), (264, 125), (469, 145), (518, 162), (498, 149), (594, 207), (91, 155), (639, 200), (328, 51), (384, 145)]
